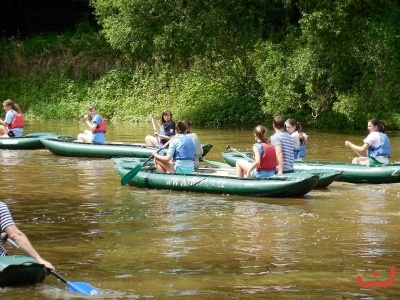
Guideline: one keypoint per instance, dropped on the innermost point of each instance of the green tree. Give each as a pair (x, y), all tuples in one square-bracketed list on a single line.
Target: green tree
[(355, 58), (179, 34)]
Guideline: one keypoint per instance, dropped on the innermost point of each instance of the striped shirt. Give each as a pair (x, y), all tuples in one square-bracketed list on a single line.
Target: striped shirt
[(5, 221), (286, 141)]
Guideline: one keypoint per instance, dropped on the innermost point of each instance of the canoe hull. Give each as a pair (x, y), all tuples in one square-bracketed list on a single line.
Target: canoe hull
[(294, 185), (21, 143), (20, 270), (106, 150), (354, 173), (326, 176), (31, 141)]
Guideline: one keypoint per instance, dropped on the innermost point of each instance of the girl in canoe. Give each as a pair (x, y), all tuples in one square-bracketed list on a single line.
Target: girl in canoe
[(97, 126), (180, 154), (13, 124), (264, 164), (294, 128), (163, 132), (376, 144)]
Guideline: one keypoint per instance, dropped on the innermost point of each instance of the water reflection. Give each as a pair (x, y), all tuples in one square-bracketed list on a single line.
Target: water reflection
[(137, 243)]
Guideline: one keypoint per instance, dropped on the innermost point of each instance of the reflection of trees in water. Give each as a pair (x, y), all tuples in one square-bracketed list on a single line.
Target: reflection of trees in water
[(266, 233), (11, 157), (372, 223)]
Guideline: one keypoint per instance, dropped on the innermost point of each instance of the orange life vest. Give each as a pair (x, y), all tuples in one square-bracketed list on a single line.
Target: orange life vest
[(17, 122), (102, 127), (268, 159)]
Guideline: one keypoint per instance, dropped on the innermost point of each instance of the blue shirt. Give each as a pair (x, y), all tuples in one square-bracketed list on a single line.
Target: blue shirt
[(98, 137)]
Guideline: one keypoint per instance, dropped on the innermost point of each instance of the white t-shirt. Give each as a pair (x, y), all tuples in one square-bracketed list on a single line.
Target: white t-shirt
[(374, 139), (197, 148)]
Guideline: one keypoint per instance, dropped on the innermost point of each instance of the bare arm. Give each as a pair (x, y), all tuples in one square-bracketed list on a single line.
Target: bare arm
[(92, 126), (357, 148), (279, 158), (164, 137), (164, 158), (21, 240)]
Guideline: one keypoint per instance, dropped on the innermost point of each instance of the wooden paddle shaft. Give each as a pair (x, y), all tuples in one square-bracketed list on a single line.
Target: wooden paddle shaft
[(242, 154)]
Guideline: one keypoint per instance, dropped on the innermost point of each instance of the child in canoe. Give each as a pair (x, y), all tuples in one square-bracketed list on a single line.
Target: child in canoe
[(264, 164)]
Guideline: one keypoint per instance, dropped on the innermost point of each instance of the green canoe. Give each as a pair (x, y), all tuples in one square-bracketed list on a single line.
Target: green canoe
[(106, 150), (30, 141), (354, 173), (326, 176), (20, 270), (206, 180)]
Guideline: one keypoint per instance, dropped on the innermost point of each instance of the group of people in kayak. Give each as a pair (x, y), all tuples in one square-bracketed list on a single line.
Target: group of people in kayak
[(183, 150), (179, 151), (13, 124), (277, 154), (288, 144)]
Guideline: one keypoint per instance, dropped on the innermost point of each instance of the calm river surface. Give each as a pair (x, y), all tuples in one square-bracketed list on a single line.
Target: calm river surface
[(138, 244)]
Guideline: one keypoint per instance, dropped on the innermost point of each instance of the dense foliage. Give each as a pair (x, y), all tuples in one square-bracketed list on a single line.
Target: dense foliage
[(331, 64)]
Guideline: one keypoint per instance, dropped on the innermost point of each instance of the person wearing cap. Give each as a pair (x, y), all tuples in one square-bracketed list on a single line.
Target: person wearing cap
[(97, 128)]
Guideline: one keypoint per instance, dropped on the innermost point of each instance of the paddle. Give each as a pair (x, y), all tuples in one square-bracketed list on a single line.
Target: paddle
[(77, 287), (154, 128), (356, 152), (242, 154), (216, 163), (132, 173)]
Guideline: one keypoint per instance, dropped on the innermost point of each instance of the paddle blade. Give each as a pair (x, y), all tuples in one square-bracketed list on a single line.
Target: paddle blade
[(83, 288), (130, 175)]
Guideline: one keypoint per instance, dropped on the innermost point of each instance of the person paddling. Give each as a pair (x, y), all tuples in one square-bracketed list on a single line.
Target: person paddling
[(163, 132), (377, 145), (97, 126), (9, 229), (180, 154)]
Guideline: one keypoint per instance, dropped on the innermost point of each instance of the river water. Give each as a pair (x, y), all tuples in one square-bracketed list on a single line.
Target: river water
[(138, 244)]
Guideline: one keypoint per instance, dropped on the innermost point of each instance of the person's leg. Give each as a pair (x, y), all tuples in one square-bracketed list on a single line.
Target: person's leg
[(361, 161), (164, 166), (242, 168), (85, 138), (3, 130), (374, 162), (151, 141)]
